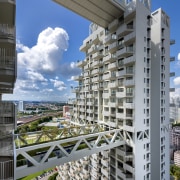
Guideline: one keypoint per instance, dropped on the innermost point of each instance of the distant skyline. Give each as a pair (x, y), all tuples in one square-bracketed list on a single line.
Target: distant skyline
[(48, 41)]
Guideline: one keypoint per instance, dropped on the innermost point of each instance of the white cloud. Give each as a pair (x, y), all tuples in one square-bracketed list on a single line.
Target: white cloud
[(178, 56), (176, 93), (58, 84), (35, 76), (44, 57), (22, 85), (42, 74), (176, 81), (47, 90)]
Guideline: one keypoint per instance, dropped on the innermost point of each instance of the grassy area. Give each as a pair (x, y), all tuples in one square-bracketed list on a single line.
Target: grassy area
[(32, 176)]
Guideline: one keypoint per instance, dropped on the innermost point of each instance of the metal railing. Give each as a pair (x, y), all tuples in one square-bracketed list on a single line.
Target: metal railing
[(7, 170)]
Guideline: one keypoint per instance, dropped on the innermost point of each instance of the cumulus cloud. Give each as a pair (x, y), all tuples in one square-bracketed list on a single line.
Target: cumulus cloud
[(22, 85), (177, 81), (35, 76), (45, 56), (58, 84), (39, 64)]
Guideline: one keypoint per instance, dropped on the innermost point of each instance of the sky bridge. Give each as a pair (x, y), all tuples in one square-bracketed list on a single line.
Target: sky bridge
[(45, 149)]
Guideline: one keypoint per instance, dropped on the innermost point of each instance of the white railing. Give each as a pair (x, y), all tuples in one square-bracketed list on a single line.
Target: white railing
[(83, 141)]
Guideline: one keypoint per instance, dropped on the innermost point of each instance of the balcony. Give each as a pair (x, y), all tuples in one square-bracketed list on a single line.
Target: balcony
[(85, 47), (128, 128), (105, 171), (172, 42), (96, 63), (129, 82), (130, 12), (129, 105), (106, 76), (120, 115), (90, 103), (95, 39), (112, 66), (106, 95), (105, 162), (8, 67), (130, 38), (82, 103), (95, 71), (7, 170), (6, 144), (7, 32), (86, 81), (86, 88), (110, 38), (98, 55), (95, 79), (172, 89), (113, 25), (112, 85), (112, 104), (124, 30), (172, 74), (110, 58), (7, 114), (75, 109), (86, 67), (172, 59), (106, 113), (77, 78), (93, 49), (82, 109), (86, 74), (90, 118), (128, 166), (113, 47), (95, 87), (120, 73), (129, 60), (89, 95), (124, 52), (105, 154), (80, 63), (90, 110), (120, 94)]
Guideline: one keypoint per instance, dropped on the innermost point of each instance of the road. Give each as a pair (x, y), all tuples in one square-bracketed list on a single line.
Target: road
[(26, 120)]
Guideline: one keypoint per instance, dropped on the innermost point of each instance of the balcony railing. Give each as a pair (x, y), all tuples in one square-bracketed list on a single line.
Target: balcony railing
[(7, 113), (7, 58), (7, 31), (7, 170)]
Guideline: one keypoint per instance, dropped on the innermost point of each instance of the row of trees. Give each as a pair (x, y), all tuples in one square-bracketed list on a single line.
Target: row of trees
[(33, 126), (175, 172)]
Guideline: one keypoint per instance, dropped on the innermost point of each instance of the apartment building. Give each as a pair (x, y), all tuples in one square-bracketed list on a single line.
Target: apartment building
[(177, 158), (174, 140), (8, 63), (125, 84)]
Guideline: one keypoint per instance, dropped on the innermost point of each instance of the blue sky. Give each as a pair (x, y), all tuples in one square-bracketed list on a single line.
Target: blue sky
[(48, 41)]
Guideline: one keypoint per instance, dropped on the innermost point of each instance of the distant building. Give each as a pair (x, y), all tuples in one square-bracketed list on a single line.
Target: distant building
[(65, 110), (177, 158), (174, 110), (174, 140), (21, 106)]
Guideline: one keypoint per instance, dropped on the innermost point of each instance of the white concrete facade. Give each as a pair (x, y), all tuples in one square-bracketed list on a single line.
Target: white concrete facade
[(125, 84)]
